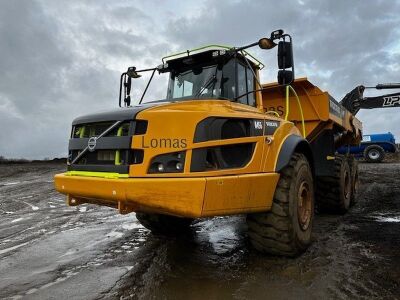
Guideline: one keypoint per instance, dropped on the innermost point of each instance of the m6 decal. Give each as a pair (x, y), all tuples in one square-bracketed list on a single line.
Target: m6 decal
[(258, 125)]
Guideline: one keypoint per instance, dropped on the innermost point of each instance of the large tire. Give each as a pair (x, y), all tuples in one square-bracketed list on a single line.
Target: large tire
[(164, 224), (354, 180), (334, 193), (374, 154), (286, 229)]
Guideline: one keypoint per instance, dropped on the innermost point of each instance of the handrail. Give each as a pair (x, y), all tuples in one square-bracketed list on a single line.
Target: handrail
[(288, 89), (260, 64)]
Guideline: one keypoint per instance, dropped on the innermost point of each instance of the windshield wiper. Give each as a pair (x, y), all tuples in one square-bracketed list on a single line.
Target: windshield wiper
[(212, 79)]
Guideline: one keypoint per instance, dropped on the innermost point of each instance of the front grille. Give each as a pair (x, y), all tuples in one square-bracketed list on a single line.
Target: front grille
[(101, 157), (95, 129), (112, 152)]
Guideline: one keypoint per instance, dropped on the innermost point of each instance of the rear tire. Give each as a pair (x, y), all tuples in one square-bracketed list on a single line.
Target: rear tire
[(374, 154), (334, 193), (164, 224), (286, 229)]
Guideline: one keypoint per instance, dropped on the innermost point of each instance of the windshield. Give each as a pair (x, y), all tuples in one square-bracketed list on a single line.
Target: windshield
[(190, 78), (193, 83), (215, 81)]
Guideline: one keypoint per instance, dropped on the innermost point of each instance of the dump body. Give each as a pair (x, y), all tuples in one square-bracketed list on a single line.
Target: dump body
[(320, 110)]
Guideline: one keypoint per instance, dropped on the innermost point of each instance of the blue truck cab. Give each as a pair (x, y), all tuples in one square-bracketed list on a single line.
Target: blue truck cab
[(373, 147)]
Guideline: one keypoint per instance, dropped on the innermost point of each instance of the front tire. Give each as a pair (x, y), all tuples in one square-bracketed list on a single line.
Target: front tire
[(164, 224), (286, 229)]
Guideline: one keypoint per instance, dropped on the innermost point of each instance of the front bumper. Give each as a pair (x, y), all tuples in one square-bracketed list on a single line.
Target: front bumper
[(185, 197)]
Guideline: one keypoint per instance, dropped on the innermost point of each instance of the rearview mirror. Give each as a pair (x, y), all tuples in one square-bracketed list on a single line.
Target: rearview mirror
[(285, 55), (128, 85), (285, 77), (265, 43)]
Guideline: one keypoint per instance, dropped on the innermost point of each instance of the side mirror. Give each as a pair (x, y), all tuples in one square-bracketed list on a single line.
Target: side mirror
[(285, 55), (128, 85), (285, 61), (265, 43), (285, 77)]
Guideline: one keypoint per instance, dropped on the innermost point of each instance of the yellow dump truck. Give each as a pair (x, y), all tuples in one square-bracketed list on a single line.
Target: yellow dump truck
[(220, 143)]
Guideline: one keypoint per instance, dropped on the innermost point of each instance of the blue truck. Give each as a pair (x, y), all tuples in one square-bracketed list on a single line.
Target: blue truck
[(373, 147)]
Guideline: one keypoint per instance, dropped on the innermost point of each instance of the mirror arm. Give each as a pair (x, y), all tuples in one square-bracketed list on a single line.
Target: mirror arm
[(148, 83), (123, 84), (146, 70), (245, 47)]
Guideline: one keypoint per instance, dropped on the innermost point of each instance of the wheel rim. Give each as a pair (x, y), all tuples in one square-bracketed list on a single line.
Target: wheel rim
[(373, 154), (304, 205)]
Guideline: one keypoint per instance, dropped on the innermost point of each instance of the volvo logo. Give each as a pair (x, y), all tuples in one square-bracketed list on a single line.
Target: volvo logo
[(92, 143)]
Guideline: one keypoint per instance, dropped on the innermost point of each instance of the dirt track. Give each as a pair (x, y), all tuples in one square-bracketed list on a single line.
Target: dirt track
[(51, 251)]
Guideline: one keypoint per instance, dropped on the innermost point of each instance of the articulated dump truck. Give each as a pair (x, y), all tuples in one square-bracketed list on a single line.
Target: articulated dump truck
[(220, 143)]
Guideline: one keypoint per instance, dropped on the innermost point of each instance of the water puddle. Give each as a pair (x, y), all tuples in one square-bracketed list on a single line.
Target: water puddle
[(17, 220), (388, 219), (11, 183)]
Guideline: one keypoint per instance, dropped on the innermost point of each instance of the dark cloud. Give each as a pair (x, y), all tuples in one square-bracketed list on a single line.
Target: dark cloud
[(62, 59), (338, 44)]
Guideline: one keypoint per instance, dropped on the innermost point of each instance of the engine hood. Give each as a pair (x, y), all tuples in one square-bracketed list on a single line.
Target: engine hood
[(120, 114)]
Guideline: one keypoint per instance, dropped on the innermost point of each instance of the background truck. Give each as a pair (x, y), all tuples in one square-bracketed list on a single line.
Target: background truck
[(373, 147), (220, 143)]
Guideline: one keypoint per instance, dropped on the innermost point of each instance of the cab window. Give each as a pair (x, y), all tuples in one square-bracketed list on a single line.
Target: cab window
[(250, 87), (182, 88), (245, 84), (241, 84)]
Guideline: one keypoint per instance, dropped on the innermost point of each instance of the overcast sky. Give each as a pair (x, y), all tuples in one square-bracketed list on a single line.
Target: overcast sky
[(61, 59)]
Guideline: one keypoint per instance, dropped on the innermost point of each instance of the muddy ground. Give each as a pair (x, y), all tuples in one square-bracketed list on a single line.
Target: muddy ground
[(51, 251)]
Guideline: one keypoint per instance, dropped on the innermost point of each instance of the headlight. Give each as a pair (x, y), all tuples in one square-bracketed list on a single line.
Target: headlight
[(168, 163)]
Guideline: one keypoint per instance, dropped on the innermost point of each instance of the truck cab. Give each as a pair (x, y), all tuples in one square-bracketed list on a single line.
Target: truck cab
[(373, 147)]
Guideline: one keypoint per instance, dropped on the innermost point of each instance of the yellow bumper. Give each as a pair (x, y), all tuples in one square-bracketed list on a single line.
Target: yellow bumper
[(186, 197)]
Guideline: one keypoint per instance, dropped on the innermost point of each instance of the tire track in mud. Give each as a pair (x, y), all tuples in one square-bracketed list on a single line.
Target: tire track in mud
[(352, 256), (34, 218), (345, 260)]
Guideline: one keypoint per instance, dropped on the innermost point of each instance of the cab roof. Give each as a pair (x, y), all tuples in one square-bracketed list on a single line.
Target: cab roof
[(212, 51)]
